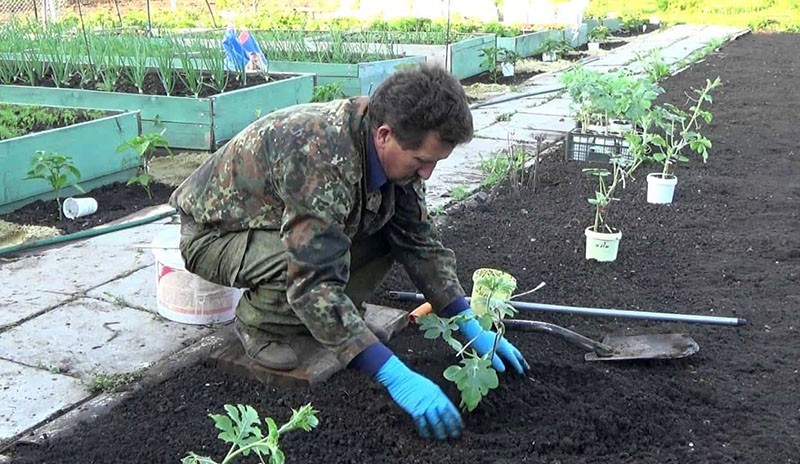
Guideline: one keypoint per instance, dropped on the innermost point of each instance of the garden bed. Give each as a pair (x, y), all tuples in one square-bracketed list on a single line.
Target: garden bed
[(727, 247), (90, 145)]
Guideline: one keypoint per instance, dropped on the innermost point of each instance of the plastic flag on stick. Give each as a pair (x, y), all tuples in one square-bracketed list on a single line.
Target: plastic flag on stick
[(242, 52)]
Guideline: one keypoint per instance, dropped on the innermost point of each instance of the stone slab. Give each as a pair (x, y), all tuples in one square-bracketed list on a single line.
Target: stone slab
[(317, 364), (137, 290), (524, 129), (70, 270), (462, 167), (88, 337), (29, 395)]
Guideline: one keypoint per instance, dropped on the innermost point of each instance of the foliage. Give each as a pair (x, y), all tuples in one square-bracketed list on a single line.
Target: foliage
[(679, 128), (604, 192), (55, 169), (16, 120), (598, 34), (327, 92), (107, 383), (654, 66), (474, 375), (597, 98), (493, 57), (241, 427), (558, 46), (145, 146), (501, 165), (459, 192)]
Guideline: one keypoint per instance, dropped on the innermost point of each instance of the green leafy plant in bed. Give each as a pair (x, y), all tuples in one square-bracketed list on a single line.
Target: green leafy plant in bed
[(17, 120)]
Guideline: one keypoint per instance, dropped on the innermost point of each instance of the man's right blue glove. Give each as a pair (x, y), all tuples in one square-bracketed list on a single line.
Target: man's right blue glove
[(422, 399)]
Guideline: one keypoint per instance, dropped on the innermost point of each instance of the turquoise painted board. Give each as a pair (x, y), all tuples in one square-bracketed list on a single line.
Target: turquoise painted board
[(92, 146), (613, 24), (465, 56), (579, 38), (372, 74), (187, 110), (235, 110), (356, 79), (189, 122), (525, 44)]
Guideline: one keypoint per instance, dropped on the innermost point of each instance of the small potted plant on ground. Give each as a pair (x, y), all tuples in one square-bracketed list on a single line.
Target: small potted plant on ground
[(596, 36), (602, 240), (508, 60), (554, 49), (677, 129)]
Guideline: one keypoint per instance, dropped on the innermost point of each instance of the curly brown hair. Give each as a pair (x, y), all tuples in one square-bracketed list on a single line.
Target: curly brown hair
[(418, 100)]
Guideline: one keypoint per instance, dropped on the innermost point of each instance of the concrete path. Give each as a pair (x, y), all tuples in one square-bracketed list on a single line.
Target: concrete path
[(74, 314)]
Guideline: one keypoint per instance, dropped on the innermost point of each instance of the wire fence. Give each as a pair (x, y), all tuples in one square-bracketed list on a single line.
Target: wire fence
[(42, 10)]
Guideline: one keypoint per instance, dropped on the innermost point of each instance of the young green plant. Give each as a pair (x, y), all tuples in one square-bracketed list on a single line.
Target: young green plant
[(241, 427), (55, 168), (145, 146), (680, 129), (474, 375), (607, 183)]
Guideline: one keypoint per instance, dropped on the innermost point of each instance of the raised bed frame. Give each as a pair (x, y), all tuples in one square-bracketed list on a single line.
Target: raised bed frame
[(92, 145)]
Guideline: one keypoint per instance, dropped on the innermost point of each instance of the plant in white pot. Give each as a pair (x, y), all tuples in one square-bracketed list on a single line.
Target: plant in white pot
[(597, 36), (554, 49), (677, 129), (602, 240)]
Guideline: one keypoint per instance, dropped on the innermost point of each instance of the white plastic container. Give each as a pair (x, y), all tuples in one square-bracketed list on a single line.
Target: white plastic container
[(602, 246), (77, 207), (183, 296), (660, 190)]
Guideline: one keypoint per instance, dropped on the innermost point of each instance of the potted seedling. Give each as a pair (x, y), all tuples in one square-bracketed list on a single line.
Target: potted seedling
[(554, 49), (474, 375), (677, 129), (596, 36), (508, 61), (602, 240)]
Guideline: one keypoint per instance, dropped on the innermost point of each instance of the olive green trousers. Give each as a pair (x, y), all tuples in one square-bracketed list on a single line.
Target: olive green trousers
[(256, 260)]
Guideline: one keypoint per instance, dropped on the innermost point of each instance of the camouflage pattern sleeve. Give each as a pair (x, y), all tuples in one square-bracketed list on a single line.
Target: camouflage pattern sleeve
[(318, 190), (416, 245)]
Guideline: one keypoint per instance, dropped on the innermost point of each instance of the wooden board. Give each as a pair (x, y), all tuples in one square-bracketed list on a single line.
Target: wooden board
[(317, 364)]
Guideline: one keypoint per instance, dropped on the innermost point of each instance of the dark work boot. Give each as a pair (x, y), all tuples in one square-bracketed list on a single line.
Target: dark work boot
[(264, 350)]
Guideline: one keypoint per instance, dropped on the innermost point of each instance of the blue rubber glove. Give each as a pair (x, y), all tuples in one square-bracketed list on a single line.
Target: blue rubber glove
[(505, 353), (422, 399)]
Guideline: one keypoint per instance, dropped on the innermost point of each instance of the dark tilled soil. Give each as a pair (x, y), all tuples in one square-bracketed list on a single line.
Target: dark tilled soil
[(114, 201), (727, 247)]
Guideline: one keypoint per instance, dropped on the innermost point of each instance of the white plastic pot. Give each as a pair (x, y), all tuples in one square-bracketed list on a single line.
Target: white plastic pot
[(549, 56), (507, 69), (660, 189), (594, 46), (78, 207), (602, 246)]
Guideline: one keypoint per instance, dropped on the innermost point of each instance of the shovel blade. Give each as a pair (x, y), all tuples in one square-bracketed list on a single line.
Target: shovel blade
[(658, 346)]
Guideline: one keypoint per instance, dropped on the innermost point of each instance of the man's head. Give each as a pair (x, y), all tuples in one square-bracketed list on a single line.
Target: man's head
[(417, 117)]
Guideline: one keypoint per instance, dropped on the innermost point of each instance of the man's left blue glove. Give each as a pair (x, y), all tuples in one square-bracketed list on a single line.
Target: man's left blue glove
[(506, 353)]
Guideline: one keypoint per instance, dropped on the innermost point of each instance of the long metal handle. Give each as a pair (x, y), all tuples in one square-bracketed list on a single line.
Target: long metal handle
[(601, 349), (649, 315)]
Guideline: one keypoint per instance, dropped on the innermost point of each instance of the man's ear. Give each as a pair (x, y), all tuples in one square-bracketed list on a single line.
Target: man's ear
[(382, 135)]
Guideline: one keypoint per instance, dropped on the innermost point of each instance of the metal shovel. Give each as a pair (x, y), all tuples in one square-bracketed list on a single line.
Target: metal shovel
[(616, 348), (612, 348)]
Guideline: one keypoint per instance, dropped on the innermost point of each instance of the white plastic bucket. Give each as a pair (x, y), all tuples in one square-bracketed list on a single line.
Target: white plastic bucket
[(602, 246), (185, 297), (660, 189), (77, 207)]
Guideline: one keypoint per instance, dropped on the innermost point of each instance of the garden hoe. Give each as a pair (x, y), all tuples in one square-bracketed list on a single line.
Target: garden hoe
[(612, 348)]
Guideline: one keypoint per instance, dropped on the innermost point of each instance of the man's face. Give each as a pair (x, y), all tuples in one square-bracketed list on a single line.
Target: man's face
[(403, 166)]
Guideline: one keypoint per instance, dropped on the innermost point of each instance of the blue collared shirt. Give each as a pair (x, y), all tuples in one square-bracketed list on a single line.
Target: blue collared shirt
[(377, 176)]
